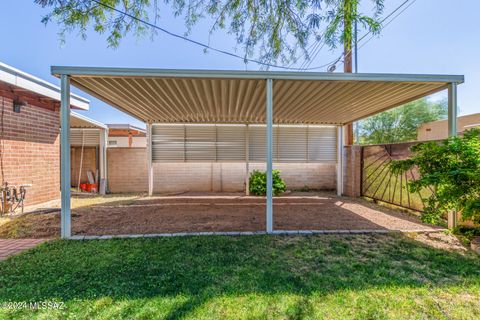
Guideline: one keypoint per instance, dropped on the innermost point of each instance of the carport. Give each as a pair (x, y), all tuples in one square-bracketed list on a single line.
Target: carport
[(158, 96)]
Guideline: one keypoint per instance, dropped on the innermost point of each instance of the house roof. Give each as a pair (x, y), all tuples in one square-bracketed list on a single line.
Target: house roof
[(125, 126), (23, 82), (216, 96), (80, 121)]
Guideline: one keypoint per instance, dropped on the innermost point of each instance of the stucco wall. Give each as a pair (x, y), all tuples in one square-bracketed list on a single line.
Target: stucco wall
[(439, 129)]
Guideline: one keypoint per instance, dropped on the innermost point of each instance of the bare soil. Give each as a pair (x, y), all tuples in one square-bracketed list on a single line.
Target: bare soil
[(218, 212)]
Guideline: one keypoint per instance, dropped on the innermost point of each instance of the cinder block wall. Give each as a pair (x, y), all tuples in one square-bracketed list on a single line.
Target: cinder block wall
[(30, 149), (127, 172), (352, 171)]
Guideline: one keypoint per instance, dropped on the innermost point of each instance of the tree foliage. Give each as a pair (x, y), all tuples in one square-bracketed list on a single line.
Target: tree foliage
[(452, 170), (271, 30), (401, 124)]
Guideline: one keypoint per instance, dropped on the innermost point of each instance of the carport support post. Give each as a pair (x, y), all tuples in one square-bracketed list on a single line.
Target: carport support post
[(452, 132), (269, 156), (103, 160), (340, 160), (149, 159), (247, 160), (65, 228)]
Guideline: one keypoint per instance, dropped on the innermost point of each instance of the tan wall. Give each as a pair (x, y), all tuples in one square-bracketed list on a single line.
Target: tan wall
[(127, 169), (122, 142), (30, 149), (89, 163), (439, 129), (127, 172)]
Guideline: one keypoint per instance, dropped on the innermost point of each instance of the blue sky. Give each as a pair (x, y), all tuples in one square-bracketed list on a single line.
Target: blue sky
[(432, 36)]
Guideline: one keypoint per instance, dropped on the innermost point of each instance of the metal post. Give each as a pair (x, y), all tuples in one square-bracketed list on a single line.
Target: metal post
[(103, 161), (452, 110), (340, 160), (452, 132), (247, 161), (269, 155), (149, 159), (65, 219)]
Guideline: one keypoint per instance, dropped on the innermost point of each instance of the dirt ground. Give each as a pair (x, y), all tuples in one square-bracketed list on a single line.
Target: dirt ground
[(214, 212)]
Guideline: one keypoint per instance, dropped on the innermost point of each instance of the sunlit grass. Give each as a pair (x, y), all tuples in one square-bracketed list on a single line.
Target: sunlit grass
[(257, 277), (86, 200)]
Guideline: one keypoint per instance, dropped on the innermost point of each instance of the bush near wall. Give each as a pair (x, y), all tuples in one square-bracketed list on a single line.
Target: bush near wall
[(258, 183)]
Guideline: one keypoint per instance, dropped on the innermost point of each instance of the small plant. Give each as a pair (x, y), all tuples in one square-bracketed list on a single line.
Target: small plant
[(258, 183)]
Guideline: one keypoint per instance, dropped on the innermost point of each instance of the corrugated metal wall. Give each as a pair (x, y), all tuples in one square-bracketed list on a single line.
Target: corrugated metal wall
[(197, 143), (90, 137)]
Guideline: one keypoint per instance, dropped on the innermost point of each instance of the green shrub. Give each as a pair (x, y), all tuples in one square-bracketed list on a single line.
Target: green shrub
[(258, 183), (452, 170)]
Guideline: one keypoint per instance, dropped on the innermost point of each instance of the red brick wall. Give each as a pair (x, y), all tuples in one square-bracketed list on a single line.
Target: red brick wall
[(352, 171), (30, 147)]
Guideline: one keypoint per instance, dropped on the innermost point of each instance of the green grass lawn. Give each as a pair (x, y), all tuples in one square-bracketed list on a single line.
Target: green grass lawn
[(257, 277)]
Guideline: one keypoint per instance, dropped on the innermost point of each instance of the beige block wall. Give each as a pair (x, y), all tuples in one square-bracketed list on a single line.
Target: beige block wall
[(438, 130), (230, 177), (127, 172)]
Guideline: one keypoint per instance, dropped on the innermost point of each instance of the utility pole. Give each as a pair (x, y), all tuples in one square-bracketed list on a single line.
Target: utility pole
[(348, 7)]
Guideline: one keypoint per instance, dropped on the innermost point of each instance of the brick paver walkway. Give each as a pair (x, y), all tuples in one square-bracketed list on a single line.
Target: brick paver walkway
[(9, 247)]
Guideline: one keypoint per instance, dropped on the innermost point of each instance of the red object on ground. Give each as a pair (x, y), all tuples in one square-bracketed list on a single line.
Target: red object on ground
[(91, 187), (83, 186)]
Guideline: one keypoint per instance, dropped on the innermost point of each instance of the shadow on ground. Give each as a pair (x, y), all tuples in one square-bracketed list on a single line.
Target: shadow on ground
[(193, 271)]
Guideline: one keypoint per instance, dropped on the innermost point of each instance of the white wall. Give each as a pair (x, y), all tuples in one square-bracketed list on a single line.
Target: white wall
[(122, 142)]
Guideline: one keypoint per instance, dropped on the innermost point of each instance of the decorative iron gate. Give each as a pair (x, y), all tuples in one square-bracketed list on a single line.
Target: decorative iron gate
[(381, 184)]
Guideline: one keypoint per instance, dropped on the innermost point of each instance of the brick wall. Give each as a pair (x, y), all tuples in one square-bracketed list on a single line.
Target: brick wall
[(30, 148), (352, 171), (127, 172), (89, 163)]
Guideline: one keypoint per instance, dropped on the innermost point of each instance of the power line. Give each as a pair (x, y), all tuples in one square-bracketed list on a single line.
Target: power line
[(245, 59), (335, 61), (203, 45), (411, 3)]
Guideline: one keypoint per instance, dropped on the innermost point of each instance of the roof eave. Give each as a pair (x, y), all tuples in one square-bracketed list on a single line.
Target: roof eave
[(23, 80), (237, 74)]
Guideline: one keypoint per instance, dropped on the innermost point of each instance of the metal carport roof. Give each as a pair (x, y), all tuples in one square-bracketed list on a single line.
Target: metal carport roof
[(213, 96), (209, 96)]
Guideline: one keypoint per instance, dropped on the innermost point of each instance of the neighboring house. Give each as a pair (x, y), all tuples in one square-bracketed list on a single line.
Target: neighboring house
[(126, 136), (438, 130), (30, 133)]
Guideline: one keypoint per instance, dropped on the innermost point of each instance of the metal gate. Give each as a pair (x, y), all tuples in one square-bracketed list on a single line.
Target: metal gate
[(381, 184)]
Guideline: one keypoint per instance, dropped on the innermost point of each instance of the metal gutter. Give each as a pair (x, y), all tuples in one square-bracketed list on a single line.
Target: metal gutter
[(236, 74)]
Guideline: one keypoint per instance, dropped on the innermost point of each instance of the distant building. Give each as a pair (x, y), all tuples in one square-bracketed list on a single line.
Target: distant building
[(438, 130), (126, 136)]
